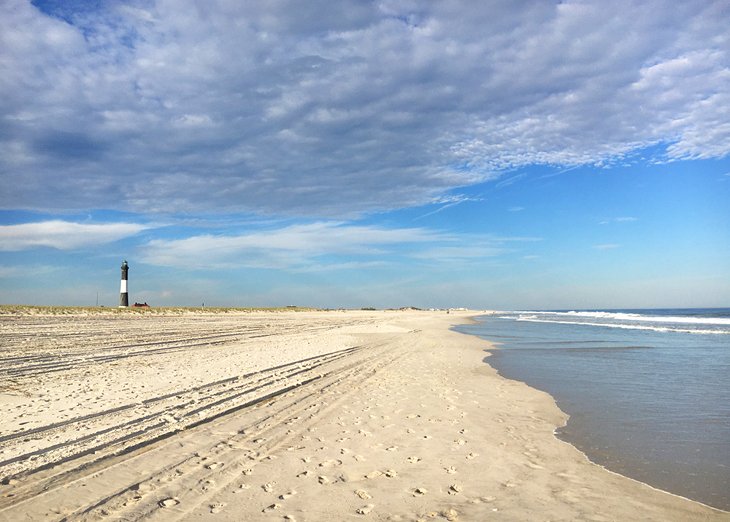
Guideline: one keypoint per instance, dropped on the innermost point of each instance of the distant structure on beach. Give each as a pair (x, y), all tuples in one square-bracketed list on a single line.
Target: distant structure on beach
[(123, 293)]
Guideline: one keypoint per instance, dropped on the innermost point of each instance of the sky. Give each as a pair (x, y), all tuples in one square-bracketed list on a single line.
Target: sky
[(491, 155)]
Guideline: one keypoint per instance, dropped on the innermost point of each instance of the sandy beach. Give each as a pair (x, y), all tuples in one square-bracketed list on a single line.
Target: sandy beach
[(298, 415)]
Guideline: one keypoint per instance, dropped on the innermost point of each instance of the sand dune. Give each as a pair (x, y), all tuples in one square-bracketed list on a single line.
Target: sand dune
[(286, 416)]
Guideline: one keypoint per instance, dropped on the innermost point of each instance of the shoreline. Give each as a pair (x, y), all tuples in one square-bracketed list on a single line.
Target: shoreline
[(402, 421), (584, 440), (494, 345), (598, 464)]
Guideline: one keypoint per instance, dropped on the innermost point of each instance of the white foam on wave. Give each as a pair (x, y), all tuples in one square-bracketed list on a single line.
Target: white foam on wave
[(535, 319), (625, 316)]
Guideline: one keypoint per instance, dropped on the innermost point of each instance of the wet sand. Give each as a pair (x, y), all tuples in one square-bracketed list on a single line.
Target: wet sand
[(286, 416)]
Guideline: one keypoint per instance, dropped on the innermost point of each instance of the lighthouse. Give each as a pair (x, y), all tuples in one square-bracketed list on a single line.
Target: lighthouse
[(123, 293)]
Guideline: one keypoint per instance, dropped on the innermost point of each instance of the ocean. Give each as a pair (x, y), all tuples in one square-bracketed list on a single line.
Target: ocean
[(647, 391)]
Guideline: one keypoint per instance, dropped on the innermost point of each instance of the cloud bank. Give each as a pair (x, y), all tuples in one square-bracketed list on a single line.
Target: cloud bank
[(292, 247), (326, 245), (339, 109), (63, 235)]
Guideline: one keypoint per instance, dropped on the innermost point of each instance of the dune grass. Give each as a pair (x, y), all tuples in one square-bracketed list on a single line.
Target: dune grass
[(161, 310)]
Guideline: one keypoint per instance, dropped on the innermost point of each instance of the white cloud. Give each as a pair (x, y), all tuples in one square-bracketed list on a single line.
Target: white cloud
[(21, 271), (292, 247), (469, 248), (621, 219), (453, 254), (326, 246), (448, 202), (606, 246), (63, 235), (328, 268), (323, 109)]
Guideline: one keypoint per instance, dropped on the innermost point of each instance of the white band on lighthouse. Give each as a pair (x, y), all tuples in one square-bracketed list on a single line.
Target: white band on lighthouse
[(124, 286)]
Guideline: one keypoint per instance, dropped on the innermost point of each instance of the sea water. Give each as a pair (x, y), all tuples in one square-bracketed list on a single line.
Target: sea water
[(647, 391)]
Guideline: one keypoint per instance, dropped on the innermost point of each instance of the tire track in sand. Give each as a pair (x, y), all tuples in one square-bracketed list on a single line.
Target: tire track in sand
[(197, 468)]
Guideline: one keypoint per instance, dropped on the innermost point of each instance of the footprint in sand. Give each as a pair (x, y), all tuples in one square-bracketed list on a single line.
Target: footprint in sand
[(450, 470), (419, 492), (413, 460), (363, 494), (217, 507), (168, 502), (287, 495), (454, 489), (269, 509), (472, 455), (365, 509), (390, 473), (323, 480), (330, 463), (268, 487)]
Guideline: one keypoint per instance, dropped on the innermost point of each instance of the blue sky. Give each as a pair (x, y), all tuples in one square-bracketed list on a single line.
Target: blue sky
[(490, 155)]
